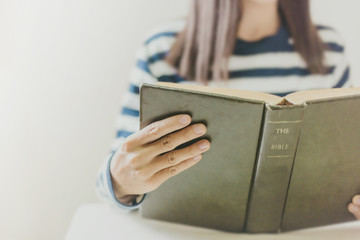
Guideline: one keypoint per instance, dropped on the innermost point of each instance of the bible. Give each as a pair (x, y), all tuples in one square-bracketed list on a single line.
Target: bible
[(275, 163)]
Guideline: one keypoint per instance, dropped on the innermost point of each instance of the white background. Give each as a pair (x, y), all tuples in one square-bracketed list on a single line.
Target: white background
[(63, 67)]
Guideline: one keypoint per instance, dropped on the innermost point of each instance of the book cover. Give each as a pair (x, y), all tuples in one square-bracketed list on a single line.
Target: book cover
[(275, 164)]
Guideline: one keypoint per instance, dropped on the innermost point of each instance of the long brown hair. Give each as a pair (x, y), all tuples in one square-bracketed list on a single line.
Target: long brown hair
[(202, 49)]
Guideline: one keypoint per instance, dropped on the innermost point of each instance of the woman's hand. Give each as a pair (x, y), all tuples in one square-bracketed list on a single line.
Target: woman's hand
[(354, 207), (147, 158)]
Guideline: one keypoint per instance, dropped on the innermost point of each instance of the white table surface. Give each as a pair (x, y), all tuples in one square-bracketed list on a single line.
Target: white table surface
[(98, 221)]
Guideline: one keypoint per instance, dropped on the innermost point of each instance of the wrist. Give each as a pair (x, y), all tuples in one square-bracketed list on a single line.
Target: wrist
[(123, 199), (119, 195), (128, 199)]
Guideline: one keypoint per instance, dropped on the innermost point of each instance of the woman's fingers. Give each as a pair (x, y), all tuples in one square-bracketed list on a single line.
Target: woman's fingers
[(171, 141), (166, 144), (175, 157), (356, 200), (354, 210), (157, 130), (164, 174), (135, 166), (354, 207)]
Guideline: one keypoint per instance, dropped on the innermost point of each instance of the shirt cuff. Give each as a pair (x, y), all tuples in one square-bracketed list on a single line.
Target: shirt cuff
[(136, 202)]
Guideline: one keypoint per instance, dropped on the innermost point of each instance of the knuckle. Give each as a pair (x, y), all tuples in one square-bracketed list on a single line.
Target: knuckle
[(167, 143), (171, 158), (126, 146), (118, 158), (133, 163), (153, 128), (173, 171), (140, 174)]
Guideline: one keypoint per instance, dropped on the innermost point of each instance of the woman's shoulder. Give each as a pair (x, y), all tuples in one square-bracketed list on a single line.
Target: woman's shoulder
[(335, 55), (158, 42), (331, 37), (170, 29), (161, 38)]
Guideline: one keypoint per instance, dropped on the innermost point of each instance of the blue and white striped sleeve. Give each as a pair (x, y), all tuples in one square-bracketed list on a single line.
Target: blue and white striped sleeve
[(341, 72), (127, 123), (336, 57)]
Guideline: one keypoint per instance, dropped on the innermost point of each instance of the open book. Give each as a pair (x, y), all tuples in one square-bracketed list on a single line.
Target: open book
[(275, 164)]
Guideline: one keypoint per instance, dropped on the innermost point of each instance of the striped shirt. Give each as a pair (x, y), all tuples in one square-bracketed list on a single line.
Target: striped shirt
[(269, 65)]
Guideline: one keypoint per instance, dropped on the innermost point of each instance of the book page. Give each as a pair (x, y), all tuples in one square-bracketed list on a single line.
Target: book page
[(248, 95), (290, 99), (322, 94)]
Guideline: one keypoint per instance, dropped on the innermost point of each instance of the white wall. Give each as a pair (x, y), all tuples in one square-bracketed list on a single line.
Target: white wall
[(344, 17), (63, 67)]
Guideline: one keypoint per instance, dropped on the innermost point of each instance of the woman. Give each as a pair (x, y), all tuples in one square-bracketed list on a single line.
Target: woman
[(260, 45)]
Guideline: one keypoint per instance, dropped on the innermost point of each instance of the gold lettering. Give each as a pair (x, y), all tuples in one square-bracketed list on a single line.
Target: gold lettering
[(279, 146), (282, 130)]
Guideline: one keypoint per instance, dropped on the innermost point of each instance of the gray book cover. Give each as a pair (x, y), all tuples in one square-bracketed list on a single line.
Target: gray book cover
[(217, 192), (326, 173)]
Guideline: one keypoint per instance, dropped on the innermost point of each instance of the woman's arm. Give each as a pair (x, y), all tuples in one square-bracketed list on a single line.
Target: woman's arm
[(336, 58), (140, 161), (127, 123)]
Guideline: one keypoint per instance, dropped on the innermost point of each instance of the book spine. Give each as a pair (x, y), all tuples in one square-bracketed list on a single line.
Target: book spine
[(272, 172)]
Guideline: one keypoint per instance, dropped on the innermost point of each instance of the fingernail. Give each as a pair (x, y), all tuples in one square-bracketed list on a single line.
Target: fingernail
[(184, 119), (199, 129), (203, 145), (357, 200), (196, 158)]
